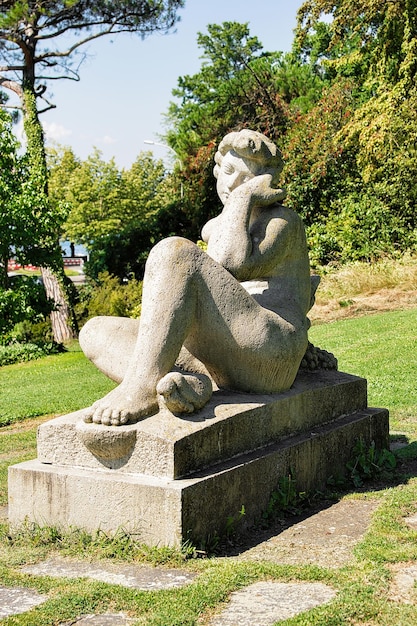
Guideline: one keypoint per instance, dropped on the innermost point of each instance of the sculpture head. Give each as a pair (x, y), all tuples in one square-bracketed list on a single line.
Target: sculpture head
[(242, 155)]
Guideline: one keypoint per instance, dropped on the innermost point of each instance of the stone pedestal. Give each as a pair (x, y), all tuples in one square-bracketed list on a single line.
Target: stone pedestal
[(169, 478)]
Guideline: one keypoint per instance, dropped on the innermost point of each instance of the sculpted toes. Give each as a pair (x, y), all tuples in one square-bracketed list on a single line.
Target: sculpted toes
[(106, 417), (124, 417)]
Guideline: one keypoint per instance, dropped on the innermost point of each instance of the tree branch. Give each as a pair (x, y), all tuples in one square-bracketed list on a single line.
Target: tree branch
[(12, 85), (10, 106)]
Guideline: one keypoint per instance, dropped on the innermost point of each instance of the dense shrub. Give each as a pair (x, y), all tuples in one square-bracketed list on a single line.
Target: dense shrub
[(19, 352), (24, 300), (109, 296), (359, 229)]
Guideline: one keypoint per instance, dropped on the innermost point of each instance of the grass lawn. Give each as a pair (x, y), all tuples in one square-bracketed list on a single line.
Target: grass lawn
[(381, 348), (56, 384)]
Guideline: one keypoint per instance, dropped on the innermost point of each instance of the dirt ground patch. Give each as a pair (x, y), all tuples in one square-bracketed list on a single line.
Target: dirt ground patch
[(377, 302), (325, 538), (324, 535)]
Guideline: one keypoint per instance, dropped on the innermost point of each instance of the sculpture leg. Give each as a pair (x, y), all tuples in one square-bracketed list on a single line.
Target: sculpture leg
[(190, 299), (109, 342), (168, 311)]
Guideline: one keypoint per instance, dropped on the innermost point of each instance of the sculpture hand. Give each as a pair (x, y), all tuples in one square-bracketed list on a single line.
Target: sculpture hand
[(260, 191)]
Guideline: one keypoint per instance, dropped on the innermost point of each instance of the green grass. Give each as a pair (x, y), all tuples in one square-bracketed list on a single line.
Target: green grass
[(381, 348), (56, 384)]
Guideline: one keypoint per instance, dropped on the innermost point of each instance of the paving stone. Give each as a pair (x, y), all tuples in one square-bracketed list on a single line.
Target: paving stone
[(404, 579), (14, 600), (107, 619), (134, 576), (264, 603), (411, 521)]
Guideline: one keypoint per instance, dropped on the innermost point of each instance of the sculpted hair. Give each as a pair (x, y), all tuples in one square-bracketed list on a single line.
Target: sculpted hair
[(251, 146)]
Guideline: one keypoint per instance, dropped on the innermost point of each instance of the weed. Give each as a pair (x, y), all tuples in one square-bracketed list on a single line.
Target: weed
[(233, 521), (121, 545), (369, 463), (285, 498)]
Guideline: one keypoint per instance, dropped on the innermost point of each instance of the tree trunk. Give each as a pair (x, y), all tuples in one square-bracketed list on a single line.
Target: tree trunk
[(59, 318), (62, 317)]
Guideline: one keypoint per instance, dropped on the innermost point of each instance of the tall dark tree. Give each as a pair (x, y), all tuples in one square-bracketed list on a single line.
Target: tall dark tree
[(33, 36), (234, 89)]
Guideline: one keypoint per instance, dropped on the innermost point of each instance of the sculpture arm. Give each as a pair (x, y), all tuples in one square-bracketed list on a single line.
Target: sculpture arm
[(231, 241)]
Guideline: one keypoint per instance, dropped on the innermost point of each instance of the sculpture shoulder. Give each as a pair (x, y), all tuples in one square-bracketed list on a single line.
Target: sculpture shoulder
[(283, 212), (272, 221)]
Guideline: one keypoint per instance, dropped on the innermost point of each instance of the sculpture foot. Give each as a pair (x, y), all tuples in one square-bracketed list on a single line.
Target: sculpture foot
[(120, 407), (184, 393)]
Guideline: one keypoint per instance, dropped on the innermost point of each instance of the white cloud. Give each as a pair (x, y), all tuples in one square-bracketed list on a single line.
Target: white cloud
[(55, 132), (107, 140)]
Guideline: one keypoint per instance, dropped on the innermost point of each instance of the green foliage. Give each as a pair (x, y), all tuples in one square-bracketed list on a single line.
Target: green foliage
[(382, 33), (285, 498), (20, 352), (28, 229), (117, 214), (358, 229), (107, 296), (368, 463), (232, 522), (26, 300), (318, 167), (121, 545)]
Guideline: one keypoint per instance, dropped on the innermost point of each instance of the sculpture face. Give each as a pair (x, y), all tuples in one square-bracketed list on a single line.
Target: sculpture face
[(234, 171)]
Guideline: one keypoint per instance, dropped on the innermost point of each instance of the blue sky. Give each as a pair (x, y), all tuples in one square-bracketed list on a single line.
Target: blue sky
[(126, 83)]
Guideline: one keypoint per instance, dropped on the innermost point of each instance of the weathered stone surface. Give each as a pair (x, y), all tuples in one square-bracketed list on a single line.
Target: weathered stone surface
[(238, 310), (164, 445), (264, 603), (134, 576), (15, 600), (403, 585)]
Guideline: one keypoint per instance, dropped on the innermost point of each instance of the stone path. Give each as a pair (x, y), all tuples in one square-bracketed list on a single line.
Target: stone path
[(14, 600), (133, 576), (326, 539), (110, 619), (264, 603)]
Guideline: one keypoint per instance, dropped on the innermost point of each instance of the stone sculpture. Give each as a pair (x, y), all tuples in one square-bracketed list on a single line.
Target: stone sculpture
[(234, 316)]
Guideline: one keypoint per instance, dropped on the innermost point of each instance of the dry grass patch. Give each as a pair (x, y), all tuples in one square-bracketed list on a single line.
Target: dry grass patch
[(362, 288)]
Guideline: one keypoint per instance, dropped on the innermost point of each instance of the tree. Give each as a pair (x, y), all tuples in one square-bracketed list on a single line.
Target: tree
[(32, 36), (376, 44), (234, 89), (10, 187), (379, 35), (24, 235), (116, 214), (27, 233)]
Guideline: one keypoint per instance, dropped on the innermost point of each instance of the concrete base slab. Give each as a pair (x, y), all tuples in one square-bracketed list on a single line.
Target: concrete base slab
[(165, 511)]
